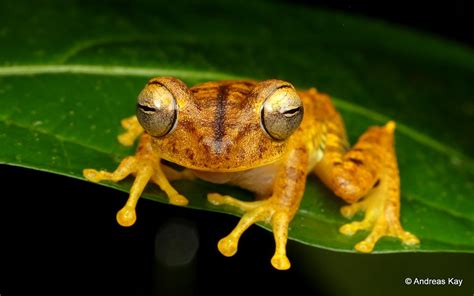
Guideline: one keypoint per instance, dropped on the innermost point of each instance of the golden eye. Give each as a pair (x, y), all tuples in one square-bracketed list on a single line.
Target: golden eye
[(281, 113), (157, 110)]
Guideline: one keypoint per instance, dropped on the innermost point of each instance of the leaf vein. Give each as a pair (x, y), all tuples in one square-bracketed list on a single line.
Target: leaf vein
[(21, 70), (450, 212)]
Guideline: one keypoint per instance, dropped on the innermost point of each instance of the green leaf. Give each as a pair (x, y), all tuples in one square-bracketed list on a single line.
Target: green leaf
[(70, 71)]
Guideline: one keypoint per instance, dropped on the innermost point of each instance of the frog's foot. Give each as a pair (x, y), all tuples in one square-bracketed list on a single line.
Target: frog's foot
[(145, 166), (381, 217), (264, 210), (134, 130)]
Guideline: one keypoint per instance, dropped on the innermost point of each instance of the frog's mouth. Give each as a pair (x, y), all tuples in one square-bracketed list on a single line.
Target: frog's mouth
[(173, 165), (217, 167)]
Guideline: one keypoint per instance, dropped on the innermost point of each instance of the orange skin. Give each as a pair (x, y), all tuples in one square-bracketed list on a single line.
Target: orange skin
[(219, 137)]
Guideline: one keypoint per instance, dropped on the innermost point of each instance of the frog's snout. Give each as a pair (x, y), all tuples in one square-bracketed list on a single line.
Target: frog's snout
[(217, 146)]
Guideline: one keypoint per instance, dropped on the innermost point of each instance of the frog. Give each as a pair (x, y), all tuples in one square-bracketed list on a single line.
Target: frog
[(266, 137)]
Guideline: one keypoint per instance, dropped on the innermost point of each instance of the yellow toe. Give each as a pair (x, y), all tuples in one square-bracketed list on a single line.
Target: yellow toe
[(91, 175), (281, 262), (126, 216), (125, 139), (348, 211), (215, 199), (347, 229), (390, 126), (178, 200), (227, 246), (352, 228), (364, 247), (409, 239)]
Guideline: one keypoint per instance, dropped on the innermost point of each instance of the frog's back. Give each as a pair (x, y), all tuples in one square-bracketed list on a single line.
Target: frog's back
[(318, 106), (322, 126)]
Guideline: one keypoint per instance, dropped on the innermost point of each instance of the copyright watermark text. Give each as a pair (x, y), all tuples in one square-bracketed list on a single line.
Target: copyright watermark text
[(433, 281)]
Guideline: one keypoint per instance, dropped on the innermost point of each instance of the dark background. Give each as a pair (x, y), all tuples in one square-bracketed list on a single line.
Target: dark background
[(59, 235), (447, 19)]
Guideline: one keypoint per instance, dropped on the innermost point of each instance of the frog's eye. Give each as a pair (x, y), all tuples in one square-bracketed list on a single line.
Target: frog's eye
[(157, 110), (281, 113)]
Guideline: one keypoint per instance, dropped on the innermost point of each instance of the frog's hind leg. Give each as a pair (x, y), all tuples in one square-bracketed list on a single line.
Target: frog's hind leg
[(145, 165), (369, 170)]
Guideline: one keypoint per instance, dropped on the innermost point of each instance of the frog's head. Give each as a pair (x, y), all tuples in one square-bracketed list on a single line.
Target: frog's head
[(220, 126)]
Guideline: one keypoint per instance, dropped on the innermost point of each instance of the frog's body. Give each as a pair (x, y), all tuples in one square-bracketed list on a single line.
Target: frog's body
[(254, 135)]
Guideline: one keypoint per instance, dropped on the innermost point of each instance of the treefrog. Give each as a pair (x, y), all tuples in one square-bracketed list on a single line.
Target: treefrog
[(266, 137)]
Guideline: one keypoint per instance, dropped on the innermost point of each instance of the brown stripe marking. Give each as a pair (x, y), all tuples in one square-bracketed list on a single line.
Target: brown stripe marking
[(219, 121), (155, 82), (189, 126), (244, 131), (246, 83), (356, 161), (284, 86), (376, 183)]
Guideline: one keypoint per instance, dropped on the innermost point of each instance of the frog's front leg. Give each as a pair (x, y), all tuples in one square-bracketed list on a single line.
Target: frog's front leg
[(367, 177), (146, 166), (278, 210)]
